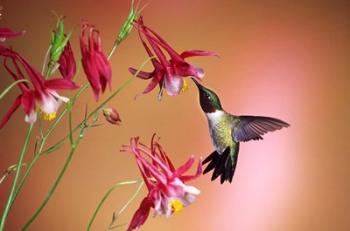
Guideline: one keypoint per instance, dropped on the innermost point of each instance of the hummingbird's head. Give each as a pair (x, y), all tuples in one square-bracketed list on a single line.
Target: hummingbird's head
[(209, 101)]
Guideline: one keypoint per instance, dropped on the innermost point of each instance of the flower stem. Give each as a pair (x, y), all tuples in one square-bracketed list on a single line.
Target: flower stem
[(8, 89), (18, 170), (109, 191), (125, 206), (43, 142), (58, 179), (115, 46)]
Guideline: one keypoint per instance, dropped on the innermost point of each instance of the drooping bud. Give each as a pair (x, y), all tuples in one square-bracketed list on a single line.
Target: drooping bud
[(112, 116), (67, 63)]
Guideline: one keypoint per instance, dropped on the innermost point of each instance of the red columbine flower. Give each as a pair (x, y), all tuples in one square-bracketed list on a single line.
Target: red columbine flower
[(8, 33), (95, 63), (167, 191), (43, 95), (67, 65), (168, 74)]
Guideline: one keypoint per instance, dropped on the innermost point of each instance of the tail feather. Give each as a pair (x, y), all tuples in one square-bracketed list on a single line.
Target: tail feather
[(222, 164)]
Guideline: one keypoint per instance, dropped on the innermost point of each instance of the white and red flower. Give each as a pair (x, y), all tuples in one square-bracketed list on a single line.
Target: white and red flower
[(167, 191), (40, 94), (168, 73)]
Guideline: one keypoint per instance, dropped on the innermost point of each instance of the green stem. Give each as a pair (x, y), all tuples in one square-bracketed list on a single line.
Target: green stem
[(58, 179), (18, 170), (125, 206), (43, 142), (104, 198), (8, 89), (115, 46)]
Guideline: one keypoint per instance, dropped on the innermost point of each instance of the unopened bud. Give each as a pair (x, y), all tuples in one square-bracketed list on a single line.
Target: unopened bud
[(112, 116)]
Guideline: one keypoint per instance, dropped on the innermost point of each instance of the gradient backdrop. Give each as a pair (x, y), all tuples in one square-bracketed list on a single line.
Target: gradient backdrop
[(287, 59)]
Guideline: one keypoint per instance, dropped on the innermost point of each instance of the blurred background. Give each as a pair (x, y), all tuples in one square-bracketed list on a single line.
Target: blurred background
[(285, 59)]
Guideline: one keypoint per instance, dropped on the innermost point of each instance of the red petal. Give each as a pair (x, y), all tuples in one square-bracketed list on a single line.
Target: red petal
[(28, 102), (141, 74), (141, 214), (67, 62), (8, 33), (155, 47), (192, 53), (92, 74), (189, 70), (10, 112), (185, 167), (60, 84), (23, 86), (154, 82), (198, 173)]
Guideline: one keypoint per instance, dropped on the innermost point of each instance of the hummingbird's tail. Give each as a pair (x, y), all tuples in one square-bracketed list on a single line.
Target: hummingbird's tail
[(223, 164)]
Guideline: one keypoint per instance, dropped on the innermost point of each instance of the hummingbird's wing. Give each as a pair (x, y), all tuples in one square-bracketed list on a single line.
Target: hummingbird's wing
[(247, 128)]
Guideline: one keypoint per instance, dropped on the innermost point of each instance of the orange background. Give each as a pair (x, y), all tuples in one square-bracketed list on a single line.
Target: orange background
[(286, 59)]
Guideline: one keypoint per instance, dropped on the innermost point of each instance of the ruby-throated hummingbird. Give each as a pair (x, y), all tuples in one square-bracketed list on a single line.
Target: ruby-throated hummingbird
[(227, 131)]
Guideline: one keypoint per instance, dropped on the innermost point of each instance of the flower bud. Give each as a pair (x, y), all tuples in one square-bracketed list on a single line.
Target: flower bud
[(112, 116), (58, 42), (128, 24)]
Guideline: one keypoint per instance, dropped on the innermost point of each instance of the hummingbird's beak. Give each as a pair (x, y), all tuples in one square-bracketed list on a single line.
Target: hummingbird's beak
[(200, 87)]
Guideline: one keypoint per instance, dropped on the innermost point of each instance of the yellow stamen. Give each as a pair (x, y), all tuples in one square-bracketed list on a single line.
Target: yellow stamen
[(185, 86), (176, 205), (49, 116)]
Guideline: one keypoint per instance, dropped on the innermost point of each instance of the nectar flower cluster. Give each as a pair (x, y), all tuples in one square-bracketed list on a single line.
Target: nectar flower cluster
[(167, 191)]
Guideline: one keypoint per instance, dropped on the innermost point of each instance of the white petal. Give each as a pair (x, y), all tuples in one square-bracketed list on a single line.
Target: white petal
[(173, 85), (157, 208), (191, 190), (55, 94), (190, 198), (49, 104), (31, 118)]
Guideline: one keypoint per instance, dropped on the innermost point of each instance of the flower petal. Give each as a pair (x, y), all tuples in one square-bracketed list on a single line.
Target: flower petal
[(192, 53), (8, 33), (173, 84), (31, 117), (190, 70), (28, 102), (141, 214), (198, 173), (185, 167), (154, 82), (141, 74), (67, 63), (11, 110), (60, 84)]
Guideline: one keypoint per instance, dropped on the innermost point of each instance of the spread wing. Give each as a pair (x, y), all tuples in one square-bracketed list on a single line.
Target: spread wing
[(253, 127)]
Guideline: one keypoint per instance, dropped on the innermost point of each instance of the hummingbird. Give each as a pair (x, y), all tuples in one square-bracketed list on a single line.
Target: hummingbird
[(227, 131)]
